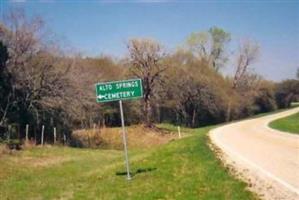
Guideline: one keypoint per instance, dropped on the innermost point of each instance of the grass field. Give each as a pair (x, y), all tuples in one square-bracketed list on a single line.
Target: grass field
[(288, 124), (182, 169)]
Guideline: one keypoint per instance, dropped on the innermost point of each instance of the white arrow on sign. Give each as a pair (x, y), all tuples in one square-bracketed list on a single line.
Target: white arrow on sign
[(101, 96)]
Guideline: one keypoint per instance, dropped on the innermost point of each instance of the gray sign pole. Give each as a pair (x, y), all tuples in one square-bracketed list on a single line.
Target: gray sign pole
[(124, 139)]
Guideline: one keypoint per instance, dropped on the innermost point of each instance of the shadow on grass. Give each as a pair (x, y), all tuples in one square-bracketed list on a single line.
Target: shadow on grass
[(138, 171)]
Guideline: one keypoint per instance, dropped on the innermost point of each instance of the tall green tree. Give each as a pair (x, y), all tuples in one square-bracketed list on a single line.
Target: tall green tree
[(220, 38), (210, 45)]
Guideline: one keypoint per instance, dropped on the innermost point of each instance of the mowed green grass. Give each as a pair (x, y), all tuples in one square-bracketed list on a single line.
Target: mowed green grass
[(288, 124), (182, 169)]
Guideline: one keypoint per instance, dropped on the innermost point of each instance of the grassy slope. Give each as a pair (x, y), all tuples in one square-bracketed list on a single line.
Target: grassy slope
[(288, 124), (182, 169)]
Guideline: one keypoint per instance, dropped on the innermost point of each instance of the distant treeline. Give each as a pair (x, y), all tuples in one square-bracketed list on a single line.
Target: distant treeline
[(41, 84)]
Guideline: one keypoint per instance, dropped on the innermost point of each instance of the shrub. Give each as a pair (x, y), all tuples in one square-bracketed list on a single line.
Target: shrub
[(287, 92)]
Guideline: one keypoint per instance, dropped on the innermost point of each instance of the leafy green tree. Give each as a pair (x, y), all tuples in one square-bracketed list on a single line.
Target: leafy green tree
[(219, 40), (210, 45)]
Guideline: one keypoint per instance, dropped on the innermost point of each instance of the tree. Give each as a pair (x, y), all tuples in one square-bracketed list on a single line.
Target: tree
[(83, 75), (286, 92), (244, 81), (196, 92), (265, 97), (298, 73), (3, 56), (219, 40), (5, 89), (210, 45), (247, 55), (146, 59), (36, 70)]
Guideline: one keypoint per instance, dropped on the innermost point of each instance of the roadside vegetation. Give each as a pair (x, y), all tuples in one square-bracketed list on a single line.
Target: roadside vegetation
[(43, 82), (49, 88), (288, 124), (111, 138), (181, 169)]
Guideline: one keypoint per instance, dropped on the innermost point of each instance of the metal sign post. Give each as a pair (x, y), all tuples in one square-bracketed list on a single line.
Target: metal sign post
[(118, 91), (124, 139)]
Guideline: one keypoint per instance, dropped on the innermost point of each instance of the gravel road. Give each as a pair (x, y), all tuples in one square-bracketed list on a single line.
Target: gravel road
[(266, 158)]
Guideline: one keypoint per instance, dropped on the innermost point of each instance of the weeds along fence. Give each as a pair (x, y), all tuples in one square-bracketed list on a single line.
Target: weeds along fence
[(16, 134)]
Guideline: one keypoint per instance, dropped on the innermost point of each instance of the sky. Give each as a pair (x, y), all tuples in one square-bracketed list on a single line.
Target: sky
[(103, 27)]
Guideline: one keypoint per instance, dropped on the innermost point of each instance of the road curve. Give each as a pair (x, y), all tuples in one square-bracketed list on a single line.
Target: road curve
[(267, 158)]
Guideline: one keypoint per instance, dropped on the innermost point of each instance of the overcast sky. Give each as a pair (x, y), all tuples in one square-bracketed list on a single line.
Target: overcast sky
[(103, 27)]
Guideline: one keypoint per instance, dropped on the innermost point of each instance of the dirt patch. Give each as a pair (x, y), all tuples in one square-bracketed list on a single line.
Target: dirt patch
[(111, 138)]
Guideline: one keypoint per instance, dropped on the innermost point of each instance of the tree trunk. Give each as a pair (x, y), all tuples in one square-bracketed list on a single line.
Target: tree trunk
[(5, 110), (158, 113), (147, 110), (103, 122)]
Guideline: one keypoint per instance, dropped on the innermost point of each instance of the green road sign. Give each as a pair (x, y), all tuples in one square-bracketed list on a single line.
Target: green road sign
[(119, 90)]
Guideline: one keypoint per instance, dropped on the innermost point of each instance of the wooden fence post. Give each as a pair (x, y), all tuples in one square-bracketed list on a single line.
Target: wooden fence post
[(8, 132), (42, 138), (54, 133), (179, 130), (27, 130)]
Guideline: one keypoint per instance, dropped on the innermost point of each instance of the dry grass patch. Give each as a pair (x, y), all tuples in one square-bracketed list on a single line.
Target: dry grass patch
[(111, 138), (39, 162), (4, 150)]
